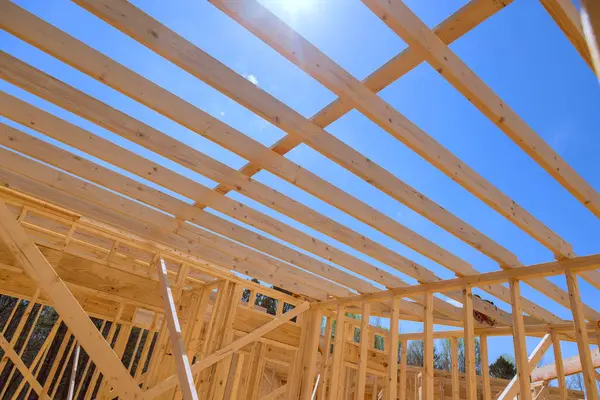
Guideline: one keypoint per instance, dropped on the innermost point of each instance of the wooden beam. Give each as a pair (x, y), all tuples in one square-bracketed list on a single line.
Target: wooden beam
[(363, 355), (403, 367), (392, 348), (558, 362), (182, 364), (522, 364), (570, 366), (583, 343), (228, 350), (38, 268), (415, 33), (428, 347), (566, 16), (485, 368), (552, 268), (469, 343), (590, 19)]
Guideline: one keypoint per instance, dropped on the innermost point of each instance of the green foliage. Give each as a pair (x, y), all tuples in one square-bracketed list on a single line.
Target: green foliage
[(503, 368)]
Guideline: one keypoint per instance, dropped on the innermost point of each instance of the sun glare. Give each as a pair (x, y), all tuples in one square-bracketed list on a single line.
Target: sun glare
[(295, 6)]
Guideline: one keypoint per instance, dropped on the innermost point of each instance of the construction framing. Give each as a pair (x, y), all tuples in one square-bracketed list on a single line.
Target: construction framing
[(114, 288)]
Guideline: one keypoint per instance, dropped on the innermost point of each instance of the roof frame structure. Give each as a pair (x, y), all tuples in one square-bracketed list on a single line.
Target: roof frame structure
[(59, 182)]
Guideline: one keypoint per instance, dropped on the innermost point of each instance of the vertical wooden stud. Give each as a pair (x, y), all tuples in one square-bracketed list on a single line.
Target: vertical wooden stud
[(469, 329), (581, 334)]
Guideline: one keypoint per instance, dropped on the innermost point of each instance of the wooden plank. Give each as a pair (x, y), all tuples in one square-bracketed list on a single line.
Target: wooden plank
[(485, 368), (428, 347), (469, 341), (415, 33), (38, 268), (583, 343), (545, 269), (309, 366), (522, 364), (228, 350), (237, 376), (566, 16), (558, 362), (182, 364), (454, 368), (570, 366), (590, 18), (391, 346), (363, 355), (403, 362), (325, 361), (337, 369)]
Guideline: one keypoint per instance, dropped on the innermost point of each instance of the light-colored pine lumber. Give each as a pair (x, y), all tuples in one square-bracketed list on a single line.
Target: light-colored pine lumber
[(485, 367), (428, 347), (363, 355), (583, 343), (454, 368), (522, 364), (182, 364), (558, 362), (402, 20), (469, 344), (86, 333), (391, 345), (590, 19)]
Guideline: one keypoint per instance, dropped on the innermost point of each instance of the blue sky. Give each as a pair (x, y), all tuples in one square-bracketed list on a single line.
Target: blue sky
[(519, 52)]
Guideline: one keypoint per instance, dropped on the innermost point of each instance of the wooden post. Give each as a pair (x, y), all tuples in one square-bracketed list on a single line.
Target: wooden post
[(363, 354), (485, 368), (470, 371), (455, 376), (428, 347), (558, 361), (311, 349), (325, 364), (392, 347), (523, 369), (583, 342), (337, 371), (182, 364), (403, 381)]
